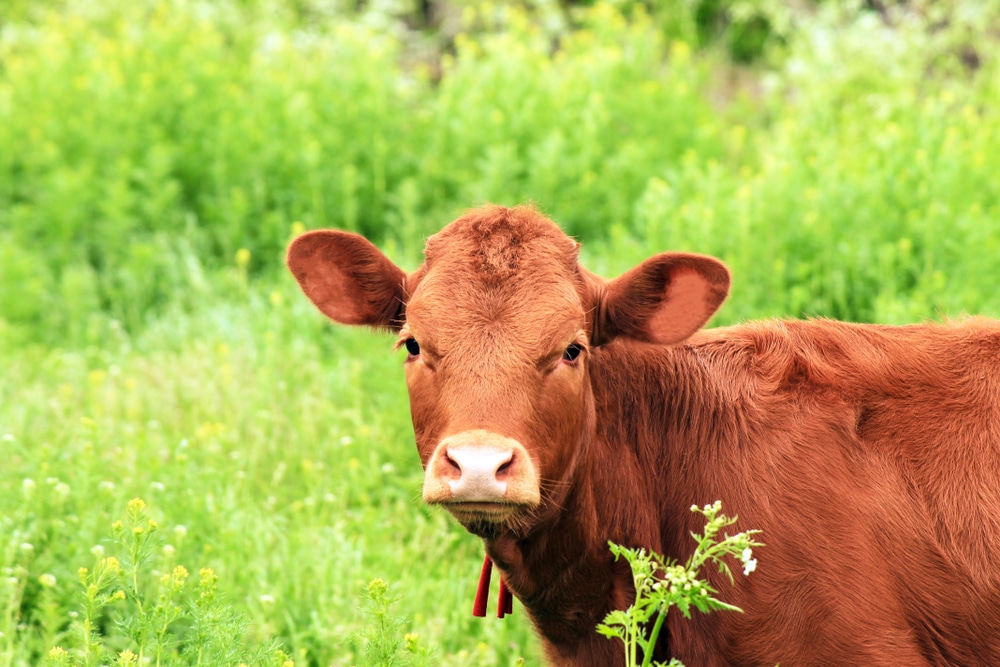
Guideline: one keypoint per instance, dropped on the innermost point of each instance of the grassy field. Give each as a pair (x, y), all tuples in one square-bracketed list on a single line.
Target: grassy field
[(155, 158)]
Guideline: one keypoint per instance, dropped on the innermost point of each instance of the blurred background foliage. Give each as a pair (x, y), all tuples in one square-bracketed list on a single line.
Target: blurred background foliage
[(839, 155)]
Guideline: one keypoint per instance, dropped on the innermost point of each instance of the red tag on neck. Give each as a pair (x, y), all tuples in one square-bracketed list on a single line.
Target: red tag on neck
[(483, 591), (505, 603)]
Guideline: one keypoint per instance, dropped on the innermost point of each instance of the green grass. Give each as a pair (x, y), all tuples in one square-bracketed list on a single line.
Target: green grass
[(283, 450), (156, 158)]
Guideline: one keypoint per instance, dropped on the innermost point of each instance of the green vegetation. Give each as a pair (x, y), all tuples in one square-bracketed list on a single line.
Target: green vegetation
[(156, 157), (148, 620), (661, 584)]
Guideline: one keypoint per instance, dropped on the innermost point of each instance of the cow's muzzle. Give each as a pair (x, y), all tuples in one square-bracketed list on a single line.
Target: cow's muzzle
[(480, 474)]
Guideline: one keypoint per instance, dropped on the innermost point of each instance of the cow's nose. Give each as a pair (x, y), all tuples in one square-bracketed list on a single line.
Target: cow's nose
[(481, 467), (480, 472)]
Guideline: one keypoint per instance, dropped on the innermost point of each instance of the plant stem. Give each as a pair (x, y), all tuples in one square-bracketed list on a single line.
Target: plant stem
[(647, 659)]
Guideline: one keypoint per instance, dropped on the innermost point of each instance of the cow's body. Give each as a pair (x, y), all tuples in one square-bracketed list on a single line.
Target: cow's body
[(868, 455)]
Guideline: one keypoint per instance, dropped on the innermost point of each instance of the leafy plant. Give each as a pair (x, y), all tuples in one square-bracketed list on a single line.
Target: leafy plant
[(147, 607), (662, 584), (384, 644)]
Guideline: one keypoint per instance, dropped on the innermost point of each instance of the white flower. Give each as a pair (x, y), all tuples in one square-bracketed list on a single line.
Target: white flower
[(28, 485), (749, 567), (747, 555), (267, 599), (180, 531), (47, 580), (97, 550)]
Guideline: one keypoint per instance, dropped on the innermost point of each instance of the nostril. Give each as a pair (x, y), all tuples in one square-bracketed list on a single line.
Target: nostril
[(453, 463), (505, 466)]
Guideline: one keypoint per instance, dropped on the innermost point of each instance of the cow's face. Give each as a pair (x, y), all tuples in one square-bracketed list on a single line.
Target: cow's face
[(497, 340), (498, 325)]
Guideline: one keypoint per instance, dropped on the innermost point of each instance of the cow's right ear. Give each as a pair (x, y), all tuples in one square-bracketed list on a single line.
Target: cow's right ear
[(663, 300), (348, 278)]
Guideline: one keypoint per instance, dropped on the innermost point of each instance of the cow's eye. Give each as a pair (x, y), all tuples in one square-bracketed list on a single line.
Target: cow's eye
[(571, 353), (412, 346)]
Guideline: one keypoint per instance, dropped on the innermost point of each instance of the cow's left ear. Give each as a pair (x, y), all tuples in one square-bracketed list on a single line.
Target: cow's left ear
[(663, 300)]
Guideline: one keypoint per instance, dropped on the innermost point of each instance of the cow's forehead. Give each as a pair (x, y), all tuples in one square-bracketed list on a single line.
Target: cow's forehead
[(498, 244), (509, 272)]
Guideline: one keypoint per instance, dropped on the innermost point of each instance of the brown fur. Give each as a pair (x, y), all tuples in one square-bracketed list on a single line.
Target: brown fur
[(868, 455)]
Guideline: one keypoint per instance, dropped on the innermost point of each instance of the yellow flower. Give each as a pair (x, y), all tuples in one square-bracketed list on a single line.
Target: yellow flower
[(136, 505), (242, 258), (680, 51)]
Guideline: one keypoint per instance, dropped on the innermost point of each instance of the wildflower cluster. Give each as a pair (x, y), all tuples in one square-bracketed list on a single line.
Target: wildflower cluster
[(380, 639), (147, 604), (661, 584)]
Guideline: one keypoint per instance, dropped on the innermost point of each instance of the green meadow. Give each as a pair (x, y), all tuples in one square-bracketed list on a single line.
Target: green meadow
[(157, 157)]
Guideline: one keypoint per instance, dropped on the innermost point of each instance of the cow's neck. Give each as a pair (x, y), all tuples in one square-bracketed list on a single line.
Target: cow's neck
[(563, 571)]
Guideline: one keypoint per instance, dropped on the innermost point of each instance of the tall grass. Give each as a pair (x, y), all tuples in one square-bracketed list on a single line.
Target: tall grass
[(155, 158)]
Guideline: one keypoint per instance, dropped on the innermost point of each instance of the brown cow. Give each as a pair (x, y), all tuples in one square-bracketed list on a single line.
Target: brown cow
[(555, 410)]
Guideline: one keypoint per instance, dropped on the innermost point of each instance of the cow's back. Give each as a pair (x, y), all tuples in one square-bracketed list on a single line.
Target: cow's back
[(923, 403)]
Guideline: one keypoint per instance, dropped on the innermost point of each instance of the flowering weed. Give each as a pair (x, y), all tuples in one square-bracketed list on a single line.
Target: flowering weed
[(147, 606), (384, 645), (661, 584)]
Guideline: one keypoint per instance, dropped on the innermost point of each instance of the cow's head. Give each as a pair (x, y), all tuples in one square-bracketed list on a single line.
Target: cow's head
[(498, 324)]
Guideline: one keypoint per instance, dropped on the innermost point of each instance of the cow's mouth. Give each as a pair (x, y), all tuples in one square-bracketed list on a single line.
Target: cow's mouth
[(496, 512), (484, 519)]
